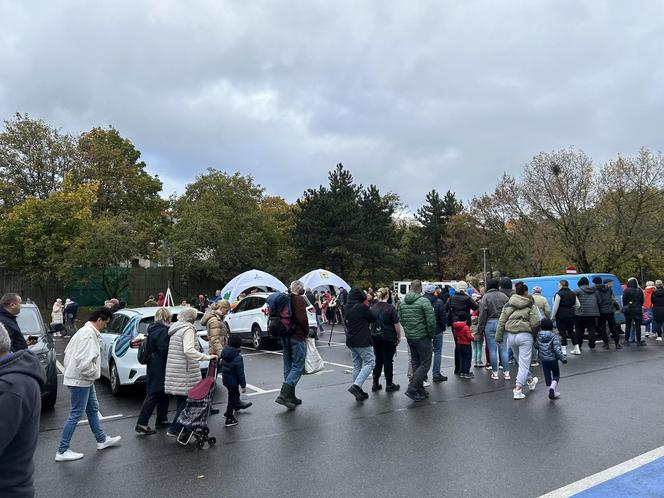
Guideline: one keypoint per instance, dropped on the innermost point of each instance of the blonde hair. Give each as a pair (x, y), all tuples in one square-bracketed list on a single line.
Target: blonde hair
[(223, 304), (383, 293), (162, 315)]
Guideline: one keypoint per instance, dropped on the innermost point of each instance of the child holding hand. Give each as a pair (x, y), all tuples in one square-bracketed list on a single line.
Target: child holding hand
[(463, 338), (550, 352)]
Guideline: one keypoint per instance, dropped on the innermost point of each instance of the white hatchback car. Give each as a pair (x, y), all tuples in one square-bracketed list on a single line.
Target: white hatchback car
[(121, 340), (250, 322)]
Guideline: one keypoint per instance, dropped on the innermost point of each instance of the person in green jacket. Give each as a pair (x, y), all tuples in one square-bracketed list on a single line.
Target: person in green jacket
[(419, 324)]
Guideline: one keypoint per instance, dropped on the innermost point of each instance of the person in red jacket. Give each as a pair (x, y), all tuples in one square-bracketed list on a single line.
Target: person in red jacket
[(463, 350)]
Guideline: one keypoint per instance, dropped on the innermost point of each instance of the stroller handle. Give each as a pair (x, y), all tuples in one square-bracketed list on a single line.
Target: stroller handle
[(212, 368)]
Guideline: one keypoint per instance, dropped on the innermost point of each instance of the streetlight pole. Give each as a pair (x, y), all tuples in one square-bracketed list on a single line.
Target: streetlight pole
[(484, 250)]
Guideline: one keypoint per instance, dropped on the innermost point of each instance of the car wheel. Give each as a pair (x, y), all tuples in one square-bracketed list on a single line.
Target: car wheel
[(116, 388), (257, 337), (48, 403)]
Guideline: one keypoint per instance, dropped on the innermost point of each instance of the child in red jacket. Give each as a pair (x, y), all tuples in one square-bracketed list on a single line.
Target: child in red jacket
[(463, 350)]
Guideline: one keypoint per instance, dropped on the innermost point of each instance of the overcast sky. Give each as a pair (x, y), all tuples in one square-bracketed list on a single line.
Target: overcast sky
[(408, 95)]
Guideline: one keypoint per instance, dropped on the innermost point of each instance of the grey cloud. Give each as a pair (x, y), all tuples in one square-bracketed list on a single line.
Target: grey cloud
[(409, 96)]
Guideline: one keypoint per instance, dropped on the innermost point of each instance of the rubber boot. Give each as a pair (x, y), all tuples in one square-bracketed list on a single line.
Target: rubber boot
[(285, 396)]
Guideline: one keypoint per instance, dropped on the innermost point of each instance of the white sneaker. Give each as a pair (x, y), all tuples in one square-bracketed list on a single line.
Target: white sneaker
[(426, 383), (507, 376), (533, 383), (68, 456), (518, 394), (110, 441), (576, 350), (658, 339)]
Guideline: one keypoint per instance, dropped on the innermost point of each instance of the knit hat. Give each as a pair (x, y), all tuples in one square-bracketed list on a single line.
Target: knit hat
[(607, 281), (597, 280), (583, 281), (506, 283), (537, 289), (462, 286), (235, 341), (650, 283), (429, 289)]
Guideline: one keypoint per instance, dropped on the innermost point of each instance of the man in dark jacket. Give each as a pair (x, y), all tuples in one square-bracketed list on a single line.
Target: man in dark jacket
[(565, 303), (460, 304), (358, 339), (506, 286), (607, 308), (295, 348), (21, 379), (633, 299), (587, 313), (10, 307), (441, 321)]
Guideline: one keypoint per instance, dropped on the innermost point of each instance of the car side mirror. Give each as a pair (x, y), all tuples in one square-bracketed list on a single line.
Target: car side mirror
[(55, 327)]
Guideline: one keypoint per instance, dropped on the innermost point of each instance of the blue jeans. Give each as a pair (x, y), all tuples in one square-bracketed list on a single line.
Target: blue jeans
[(294, 360), (363, 364), (437, 354), (319, 322), (650, 326), (490, 335), (82, 399)]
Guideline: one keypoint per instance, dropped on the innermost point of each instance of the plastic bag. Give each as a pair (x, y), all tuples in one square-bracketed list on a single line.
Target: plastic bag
[(313, 362)]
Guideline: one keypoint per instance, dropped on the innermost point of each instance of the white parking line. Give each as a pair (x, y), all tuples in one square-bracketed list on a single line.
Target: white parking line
[(606, 475), (328, 362)]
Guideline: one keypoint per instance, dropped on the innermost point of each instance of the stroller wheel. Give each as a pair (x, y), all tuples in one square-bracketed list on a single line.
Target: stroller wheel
[(205, 431), (200, 444), (212, 441)]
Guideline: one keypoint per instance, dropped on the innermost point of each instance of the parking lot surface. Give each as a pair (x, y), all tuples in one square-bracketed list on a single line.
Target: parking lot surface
[(469, 439)]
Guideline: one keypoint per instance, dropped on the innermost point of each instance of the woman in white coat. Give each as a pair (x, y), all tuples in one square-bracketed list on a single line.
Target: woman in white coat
[(56, 312)]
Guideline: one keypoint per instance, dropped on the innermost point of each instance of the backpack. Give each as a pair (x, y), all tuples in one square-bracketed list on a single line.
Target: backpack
[(143, 355), (280, 321)]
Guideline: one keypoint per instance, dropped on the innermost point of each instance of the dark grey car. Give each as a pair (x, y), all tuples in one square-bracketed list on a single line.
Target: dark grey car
[(41, 343)]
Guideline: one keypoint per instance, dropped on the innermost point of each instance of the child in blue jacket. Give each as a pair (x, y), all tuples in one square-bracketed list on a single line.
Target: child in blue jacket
[(548, 345), (232, 371)]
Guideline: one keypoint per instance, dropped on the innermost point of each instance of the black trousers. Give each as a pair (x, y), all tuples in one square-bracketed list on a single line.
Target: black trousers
[(463, 352), (233, 400), (584, 323), (420, 356), (566, 329), (610, 320), (384, 352), (157, 399), (633, 321), (551, 369), (457, 363)]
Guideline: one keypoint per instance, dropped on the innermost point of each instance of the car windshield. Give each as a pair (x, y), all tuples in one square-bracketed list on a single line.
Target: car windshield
[(28, 322), (145, 323)]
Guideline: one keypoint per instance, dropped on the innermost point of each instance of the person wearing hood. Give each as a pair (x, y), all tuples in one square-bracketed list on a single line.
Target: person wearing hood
[(607, 310), (386, 337), (150, 303), (21, 380), (441, 321), (519, 321), (82, 368), (232, 371), (658, 308), (157, 346), (548, 345), (213, 321), (565, 304), (161, 298), (182, 369), (586, 315), (491, 307), (647, 307), (57, 315), (419, 324), (633, 299), (71, 312), (460, 302), (506, 286), (358, 339)]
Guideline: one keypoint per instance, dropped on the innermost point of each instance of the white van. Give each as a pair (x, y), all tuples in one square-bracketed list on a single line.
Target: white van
[(402, 287)]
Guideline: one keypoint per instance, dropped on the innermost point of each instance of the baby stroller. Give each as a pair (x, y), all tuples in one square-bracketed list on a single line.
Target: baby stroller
[(197, 410)]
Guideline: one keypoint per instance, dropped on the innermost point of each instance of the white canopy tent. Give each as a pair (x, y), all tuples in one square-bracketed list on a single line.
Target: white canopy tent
[(318, 279), (248, 280)]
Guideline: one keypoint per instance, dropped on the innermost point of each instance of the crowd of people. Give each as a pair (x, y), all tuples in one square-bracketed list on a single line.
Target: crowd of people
[(503, 322)]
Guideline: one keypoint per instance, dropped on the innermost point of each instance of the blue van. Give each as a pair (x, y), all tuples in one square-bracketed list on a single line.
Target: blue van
[(549, 285)]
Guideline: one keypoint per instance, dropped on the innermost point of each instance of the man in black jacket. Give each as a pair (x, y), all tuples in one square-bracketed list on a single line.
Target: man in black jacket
[(21, 378), (10, 307), (607, 308), (358, 339), (441, 320)]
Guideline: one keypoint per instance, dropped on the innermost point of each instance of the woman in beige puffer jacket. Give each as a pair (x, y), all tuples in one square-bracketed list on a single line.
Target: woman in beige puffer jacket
[(182, 369), (217, 331)]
